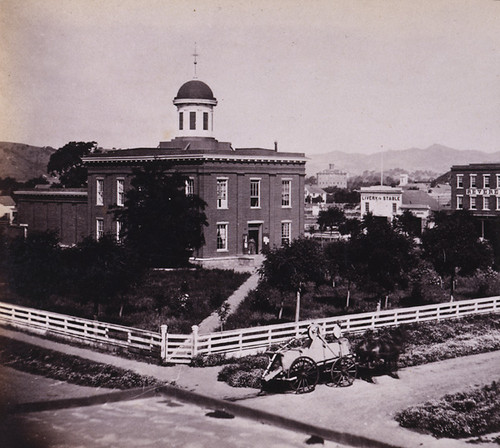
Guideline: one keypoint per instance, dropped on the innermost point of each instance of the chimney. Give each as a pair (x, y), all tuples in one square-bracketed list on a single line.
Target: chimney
[(276, 146)]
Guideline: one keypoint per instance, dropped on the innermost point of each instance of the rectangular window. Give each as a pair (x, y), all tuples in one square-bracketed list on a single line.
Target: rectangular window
[(192, 120), (221, 193), (181, 120), (472, 203), (498, 202), (99, 228), (255, 193), (460, 202), (486, 203), (120, 195), (118, 230), (99, 199), (472, 180), (460, 180), (486, 181), (222, 236), (498, 180), (367, 207), (189, 187), (285, 233), (286, 193), (394, 207), (205, 121)]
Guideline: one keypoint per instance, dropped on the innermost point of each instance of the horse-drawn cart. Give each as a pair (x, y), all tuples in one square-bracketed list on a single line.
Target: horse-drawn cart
[(302, 364)]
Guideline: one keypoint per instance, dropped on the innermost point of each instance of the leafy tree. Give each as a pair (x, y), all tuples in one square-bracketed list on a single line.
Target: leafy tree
[(67, 163), (101, 271), (330, 218), (159, 221), (408, 223), (291, 267), (453, 246), (382, 256), (34, 265)]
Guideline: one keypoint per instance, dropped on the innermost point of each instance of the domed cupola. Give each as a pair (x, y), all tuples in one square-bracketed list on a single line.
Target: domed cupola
[(195, 104)]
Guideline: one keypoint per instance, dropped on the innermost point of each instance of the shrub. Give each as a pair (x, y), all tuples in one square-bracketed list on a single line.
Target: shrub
[(244, 372), (458, 415)]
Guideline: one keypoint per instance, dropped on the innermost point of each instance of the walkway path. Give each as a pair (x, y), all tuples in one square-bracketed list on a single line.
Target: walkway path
[(363, 409), (212, 322)]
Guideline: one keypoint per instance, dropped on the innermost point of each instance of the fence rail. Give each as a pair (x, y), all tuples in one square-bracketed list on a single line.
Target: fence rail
[(179, 348)]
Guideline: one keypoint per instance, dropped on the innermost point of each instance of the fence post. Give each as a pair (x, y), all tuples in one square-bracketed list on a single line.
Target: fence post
[(164, 341), (194, 350)]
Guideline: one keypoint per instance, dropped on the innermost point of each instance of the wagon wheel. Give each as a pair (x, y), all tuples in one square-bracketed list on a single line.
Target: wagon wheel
[(344, 371), (303, 374)]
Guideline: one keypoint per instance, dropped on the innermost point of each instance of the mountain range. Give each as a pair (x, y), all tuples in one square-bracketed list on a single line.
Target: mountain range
[(436, 159), (24, 162)]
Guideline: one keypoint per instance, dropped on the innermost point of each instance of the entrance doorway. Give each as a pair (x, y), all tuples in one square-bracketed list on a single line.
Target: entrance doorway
[(254, 238)]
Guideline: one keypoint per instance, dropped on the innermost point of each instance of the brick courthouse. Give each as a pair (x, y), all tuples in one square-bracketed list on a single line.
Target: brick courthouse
[(254, 196)]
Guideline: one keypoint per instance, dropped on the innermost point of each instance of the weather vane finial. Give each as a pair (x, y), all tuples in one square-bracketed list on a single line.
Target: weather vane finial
[(195, 55)]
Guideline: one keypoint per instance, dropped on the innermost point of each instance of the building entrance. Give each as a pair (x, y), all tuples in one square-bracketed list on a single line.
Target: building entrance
[(254, 238)]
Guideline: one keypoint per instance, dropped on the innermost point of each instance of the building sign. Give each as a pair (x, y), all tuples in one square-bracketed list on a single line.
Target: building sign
[(483, 191), (380, 198)]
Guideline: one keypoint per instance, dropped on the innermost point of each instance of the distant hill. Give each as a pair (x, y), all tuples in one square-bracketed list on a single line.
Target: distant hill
[(23, 162), (437, 159)]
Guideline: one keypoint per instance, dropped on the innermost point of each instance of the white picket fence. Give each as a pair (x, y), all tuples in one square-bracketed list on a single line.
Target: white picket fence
[(178, 348)]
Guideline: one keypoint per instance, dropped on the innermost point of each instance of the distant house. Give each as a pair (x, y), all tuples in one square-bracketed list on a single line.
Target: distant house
[(332, 177), (382, 200), (7, 208), (314, 194)]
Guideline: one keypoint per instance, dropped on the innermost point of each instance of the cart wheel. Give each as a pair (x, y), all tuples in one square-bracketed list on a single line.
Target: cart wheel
[(344, 371), (303, 374)]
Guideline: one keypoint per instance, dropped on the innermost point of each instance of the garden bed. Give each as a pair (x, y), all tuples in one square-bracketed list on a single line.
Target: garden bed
[(460, 415), (71, 369)]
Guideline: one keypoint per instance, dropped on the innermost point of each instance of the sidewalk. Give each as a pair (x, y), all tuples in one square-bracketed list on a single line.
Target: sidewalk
[(364, 409)]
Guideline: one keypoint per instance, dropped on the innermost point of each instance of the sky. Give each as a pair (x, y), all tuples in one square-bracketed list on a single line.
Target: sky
[(315, 76)]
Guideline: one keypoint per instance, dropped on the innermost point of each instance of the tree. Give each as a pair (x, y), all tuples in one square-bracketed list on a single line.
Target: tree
[(330, 218), (408, 223), (159, 221), (291, 267), (67, 163), (453, 246), (382, 257), (33, 265), (101, 271)]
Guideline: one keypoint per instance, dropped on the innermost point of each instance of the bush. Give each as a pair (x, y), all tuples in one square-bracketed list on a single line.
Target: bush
[(458, 415), (244, 372)]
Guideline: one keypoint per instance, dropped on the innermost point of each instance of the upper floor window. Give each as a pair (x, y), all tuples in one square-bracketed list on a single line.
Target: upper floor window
[(120, 195), (498, 180), (255, 193), (460, 202), (222, 236), (221, 193), (486, 181), (99, 199), (394, 207), (205, 121), (286, 227), (189, 187), (473, 180), (192, 120), (181, 120), (286, 193), (460, 180), (367, 207), (99, 228)]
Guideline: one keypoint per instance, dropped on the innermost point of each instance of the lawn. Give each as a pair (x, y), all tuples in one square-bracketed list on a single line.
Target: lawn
[(177, 298)]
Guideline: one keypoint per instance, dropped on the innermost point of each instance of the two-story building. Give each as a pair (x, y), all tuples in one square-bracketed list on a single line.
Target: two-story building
[(254, 196)]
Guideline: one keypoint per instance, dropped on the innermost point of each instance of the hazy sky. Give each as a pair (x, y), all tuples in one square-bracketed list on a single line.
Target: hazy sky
[(316, 76)]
